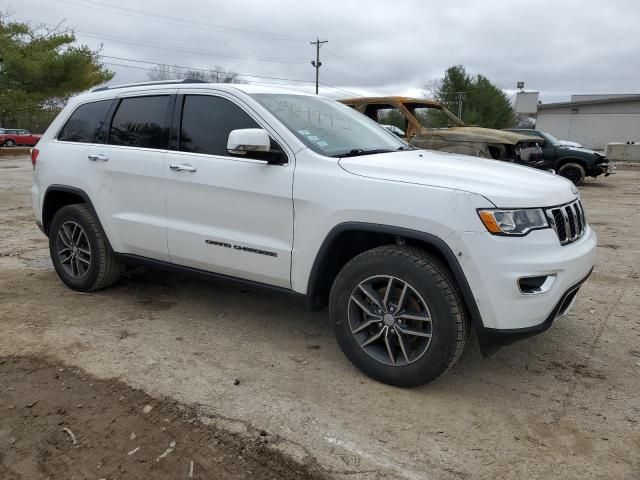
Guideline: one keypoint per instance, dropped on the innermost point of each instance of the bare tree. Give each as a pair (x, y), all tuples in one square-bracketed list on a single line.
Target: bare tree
[(215, 75), (162, 72), (430, 89)]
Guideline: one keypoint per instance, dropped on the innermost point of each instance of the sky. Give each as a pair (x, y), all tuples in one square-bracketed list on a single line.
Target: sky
[(374, 47)]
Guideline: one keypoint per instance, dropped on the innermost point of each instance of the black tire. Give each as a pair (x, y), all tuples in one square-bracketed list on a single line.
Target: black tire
[(430, 281), (572, 171), (9, 143), (102, 270)]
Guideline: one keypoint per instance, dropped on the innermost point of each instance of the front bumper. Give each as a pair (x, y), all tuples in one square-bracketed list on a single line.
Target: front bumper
[(605, 167), (493, 266), (491, 339), (608, 168)]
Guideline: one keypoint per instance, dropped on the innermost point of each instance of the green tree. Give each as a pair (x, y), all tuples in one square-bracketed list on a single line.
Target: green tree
[(40, 69), (483, 103), (393, 117)]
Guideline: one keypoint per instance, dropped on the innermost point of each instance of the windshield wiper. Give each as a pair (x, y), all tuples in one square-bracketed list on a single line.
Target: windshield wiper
[(356, 152)]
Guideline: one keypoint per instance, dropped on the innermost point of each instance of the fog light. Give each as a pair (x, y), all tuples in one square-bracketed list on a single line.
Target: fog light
[(536, 285)]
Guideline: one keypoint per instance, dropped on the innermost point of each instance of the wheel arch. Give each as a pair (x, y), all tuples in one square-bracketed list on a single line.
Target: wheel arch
[(349, 239), (564, 160), (58, 196)]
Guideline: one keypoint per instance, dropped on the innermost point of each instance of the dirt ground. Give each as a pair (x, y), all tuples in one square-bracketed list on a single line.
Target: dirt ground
[(60, 423), (564, 404)]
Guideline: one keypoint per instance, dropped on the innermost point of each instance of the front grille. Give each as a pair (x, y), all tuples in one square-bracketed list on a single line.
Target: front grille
[(568, 221)]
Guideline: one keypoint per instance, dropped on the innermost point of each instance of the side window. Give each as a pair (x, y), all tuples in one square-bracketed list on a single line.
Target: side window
[(139, 122), (387, 115), (431, 117), (207, 121), (85, 122)]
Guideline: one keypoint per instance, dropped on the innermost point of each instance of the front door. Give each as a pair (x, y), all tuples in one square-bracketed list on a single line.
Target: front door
[(25, 138), (226, 214)]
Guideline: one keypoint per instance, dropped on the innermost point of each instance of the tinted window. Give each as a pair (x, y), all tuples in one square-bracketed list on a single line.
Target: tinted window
[(85, 122), (207, 121), (139, 122)]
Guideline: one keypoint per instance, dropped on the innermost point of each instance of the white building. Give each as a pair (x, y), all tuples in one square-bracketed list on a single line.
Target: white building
[(592, 120)]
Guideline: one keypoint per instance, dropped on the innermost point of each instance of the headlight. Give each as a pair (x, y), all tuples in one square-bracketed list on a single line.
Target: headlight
[(513, 222)]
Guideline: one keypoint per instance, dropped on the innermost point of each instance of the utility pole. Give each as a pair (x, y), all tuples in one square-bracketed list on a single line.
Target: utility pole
[(317, 63), (460, 97)]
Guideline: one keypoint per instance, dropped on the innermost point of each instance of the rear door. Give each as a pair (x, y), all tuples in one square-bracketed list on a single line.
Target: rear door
[(124, 175), (227, 214)]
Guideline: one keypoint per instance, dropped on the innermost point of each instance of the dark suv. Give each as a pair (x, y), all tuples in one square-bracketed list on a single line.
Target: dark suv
[(574, 163)]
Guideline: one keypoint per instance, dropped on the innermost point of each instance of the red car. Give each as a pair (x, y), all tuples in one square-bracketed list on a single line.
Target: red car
[(10, 137)]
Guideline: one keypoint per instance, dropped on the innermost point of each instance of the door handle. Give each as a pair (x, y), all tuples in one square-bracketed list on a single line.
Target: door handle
[(180, 167), (97, 156)]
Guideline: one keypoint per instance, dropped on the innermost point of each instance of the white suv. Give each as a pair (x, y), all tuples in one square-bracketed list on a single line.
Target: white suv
[(409, 248)]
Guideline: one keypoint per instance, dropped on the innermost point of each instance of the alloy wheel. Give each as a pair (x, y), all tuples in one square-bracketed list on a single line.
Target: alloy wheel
[(73, 249), (390, 320)]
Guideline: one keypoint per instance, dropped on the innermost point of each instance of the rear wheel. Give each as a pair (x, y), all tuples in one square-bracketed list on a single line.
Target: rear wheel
[(9, 143), (79, 250), (397, 315), (572, 171)]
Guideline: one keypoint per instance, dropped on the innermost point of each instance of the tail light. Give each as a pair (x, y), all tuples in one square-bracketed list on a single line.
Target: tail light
[(34, 157)]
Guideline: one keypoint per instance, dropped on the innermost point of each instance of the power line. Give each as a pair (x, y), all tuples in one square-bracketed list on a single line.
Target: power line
[(342, 90), (135, 60), (252, 82), (113, 38), (281, 79), (198, 52), (240, 74), (131, 12), (361, 67), (340, 71)]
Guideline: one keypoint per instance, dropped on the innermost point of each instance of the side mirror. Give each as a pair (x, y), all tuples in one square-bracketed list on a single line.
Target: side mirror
[(246, 140)]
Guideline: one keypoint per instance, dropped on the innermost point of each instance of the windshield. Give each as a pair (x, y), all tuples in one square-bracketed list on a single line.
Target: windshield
[(551, 139), (434, 116), (328, 127)]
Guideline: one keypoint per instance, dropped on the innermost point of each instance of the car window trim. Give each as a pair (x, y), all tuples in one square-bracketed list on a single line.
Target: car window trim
[(104, 120), (177, 122), (166, 122)]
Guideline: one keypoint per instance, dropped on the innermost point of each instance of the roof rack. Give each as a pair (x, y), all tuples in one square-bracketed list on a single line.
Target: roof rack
[(161, 82)]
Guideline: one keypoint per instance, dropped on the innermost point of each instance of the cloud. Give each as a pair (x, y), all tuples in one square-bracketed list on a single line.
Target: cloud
[(558, 48)]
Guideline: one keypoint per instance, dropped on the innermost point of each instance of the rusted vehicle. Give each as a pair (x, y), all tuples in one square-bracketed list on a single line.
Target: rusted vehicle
[(429, 125)]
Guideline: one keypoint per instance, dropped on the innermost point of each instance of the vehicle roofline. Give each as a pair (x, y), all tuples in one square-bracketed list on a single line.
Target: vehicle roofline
[(113, 91), (396, 99)]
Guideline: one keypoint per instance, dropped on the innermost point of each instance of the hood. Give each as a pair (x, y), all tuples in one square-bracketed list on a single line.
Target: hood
[(479, 134), (504, 184), (580, 150), (567, 143)]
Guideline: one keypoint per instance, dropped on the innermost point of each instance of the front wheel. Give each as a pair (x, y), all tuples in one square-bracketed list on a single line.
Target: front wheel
[(397, 315), (80, 251), (572, 171)]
